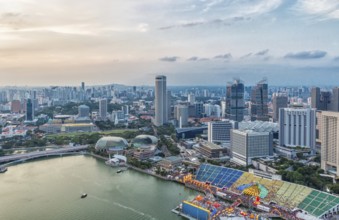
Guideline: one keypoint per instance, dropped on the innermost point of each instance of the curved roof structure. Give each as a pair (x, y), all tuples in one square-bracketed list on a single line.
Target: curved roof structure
[(144, 141), (111, 143)]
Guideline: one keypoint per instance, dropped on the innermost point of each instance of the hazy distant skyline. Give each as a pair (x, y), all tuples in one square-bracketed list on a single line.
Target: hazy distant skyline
[(200, 42)]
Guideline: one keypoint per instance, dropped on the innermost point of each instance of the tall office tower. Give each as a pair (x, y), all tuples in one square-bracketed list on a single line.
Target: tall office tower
[(169, 104), (223, 109), (83, 111), (259, 101), (83, 86), (297, 127), (321, 100), (249, 144), (161, 109), (315, 98), (325, 99), (182, 115), (103, 109), (29, 110), (219, 131), (279, 100), (199, 109), (330, 142), (191, 99), (235, 104), (335, 100)]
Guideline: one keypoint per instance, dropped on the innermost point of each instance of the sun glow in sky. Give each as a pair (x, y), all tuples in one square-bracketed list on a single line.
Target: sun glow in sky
[(205, 42)]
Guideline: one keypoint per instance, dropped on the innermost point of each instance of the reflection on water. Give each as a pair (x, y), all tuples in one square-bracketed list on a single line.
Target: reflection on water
[(51, 189)]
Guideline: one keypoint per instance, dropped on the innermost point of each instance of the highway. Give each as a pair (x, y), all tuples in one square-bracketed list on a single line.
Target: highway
[(6, 159)]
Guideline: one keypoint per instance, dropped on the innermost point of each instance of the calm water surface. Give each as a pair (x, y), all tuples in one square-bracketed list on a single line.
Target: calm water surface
[(51, 189)]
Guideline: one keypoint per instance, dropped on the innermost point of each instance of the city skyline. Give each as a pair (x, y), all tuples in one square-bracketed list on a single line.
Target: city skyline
[(131, 42)]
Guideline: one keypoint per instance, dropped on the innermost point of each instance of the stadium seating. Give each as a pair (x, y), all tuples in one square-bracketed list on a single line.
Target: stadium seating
[(218, 176), (283, 193)]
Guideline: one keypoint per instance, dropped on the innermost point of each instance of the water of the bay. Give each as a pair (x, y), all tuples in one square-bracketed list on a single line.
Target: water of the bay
[(51, 189)]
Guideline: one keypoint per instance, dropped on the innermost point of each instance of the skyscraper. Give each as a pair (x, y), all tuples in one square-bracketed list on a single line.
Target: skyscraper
[(29, 110), (297, 127), (182, 115), (330, 142), (83, 85), (322, 100), (279, 100), (259, 101), (334, 106), (315, 98), (191, 99), (103, 109), (235, 104), (161, 109)]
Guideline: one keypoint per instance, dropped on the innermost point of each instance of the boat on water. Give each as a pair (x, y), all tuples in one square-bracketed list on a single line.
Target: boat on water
[(84, 195), (117, 161), (3, 169), (120, 171)]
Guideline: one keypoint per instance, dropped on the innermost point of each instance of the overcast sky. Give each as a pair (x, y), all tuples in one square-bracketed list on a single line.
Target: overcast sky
[(200, 42)]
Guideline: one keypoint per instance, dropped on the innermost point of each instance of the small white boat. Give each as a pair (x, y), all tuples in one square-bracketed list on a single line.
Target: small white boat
[(117, 161), (84, 195), (3, 169)]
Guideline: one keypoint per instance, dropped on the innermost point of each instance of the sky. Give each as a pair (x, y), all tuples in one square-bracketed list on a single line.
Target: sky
[(192, 42)]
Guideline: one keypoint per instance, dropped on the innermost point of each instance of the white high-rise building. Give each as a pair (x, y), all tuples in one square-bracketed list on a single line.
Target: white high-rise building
[(216, 111), (161, 109), (219, 131), (330, 142), (208, 109), (297, 127), (249, 144), (103, 109), (223, 109), (191, 99), (182, 115)]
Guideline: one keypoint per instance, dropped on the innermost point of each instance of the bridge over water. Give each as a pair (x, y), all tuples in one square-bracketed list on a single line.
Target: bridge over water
[(34, 155)]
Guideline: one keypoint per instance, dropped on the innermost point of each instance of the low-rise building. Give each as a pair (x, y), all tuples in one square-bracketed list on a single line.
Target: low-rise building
[(169, 163), (81, 127), (143, 154), (210, 150)]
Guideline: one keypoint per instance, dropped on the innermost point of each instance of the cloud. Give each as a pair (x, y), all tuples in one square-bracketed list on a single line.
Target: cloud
[(262, 53), (216, 21), (314, 54), (143, 27), (336, 58), (169, 59), (246, 56), (223, 56), (197, 59), (324, 9), (193, 59), (12, 20)]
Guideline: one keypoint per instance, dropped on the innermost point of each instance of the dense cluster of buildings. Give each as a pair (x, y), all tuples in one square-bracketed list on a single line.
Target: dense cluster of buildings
[(245, 122)]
